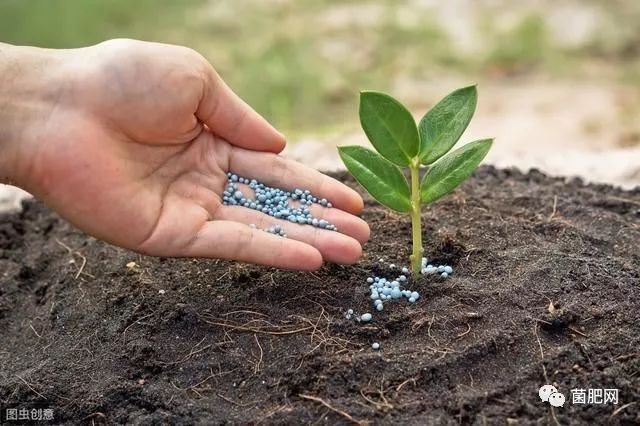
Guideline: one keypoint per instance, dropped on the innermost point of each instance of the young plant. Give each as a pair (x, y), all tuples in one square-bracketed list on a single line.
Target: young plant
[(401, 145)]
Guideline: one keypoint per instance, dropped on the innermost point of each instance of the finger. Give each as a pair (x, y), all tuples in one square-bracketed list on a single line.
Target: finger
[(231, 118), (235, 241), (345, 222), (334, 246), (280, 172)]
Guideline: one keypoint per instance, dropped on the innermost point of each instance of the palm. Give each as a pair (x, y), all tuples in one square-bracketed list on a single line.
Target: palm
[(136, 167)]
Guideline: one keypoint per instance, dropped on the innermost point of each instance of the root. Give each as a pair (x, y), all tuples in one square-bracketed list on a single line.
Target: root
[(274, 411), (191, 353), (323, 337), (244, 312), (544, 370), (417, 324), (256, 369), (194, 388), (31, 387), (80, 255), (384, 405), (96, 414), (132, 324), (276, 331), (466, 332), (433, 318), (619, 409), (401, 385), (231, 401), (577, 331), (335, 410), (34, 330), (318, 329)]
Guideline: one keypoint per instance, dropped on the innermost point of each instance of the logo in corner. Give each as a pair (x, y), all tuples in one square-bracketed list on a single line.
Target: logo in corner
[(549, 393)]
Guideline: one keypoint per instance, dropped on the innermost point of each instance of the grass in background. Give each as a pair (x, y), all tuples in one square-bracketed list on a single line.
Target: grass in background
[(75, 23), (301, 63), (525, 46)]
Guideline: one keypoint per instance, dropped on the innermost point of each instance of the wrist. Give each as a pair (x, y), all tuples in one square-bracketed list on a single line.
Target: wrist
[(29, 81)]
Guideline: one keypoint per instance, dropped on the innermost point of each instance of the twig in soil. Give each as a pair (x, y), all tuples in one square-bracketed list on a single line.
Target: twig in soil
[(231, 401), (31, 387), (324, 336), (256, 369), (279, 330), (132, 324), (244, 312), (401, 385), (259, 321), (315, 326), (418, 323), (619, 409), (626, 200), (34, 330), (211, 375), (84, 262), (466, 332), (544, 370), (577, 331), (335, 410), (553, 213), (222, 276), (384, 406), (65, 246), (77, 253), (191, 353), (553, 415), (315, 276), (96, 414), (433, 319), (227, 338), (618, 358), (271, 413)]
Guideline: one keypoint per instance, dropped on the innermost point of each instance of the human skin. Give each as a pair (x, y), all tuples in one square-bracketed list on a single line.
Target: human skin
[(131, 141)]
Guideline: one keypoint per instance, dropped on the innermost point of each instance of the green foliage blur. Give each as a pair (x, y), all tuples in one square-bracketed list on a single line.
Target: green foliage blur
[(301, 63), (75, 23)]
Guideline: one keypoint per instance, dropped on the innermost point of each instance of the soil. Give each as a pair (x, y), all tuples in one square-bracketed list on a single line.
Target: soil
[(546, 289)]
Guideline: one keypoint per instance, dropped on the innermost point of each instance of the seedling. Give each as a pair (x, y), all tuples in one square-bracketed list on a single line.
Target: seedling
[(402, 145)]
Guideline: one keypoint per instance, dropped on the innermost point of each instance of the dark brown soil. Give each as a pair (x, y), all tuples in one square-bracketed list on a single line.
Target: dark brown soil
[(547, 282)]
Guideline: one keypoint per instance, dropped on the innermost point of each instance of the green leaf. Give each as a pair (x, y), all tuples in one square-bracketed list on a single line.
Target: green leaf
[(390, 127), (443, 125), (453, 169), (383, 180)]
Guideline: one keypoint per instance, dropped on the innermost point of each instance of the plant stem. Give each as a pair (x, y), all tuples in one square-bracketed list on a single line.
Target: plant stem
[(416, 224)]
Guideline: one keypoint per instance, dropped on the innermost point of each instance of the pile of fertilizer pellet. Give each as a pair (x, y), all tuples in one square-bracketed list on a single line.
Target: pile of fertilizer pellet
[(278, 203), (443, 270), (382, 289)]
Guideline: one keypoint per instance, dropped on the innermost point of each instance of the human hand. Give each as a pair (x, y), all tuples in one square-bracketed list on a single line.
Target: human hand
[(132, 145)]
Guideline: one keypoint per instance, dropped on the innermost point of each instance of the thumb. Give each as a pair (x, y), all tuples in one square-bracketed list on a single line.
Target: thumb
[(232, 119)]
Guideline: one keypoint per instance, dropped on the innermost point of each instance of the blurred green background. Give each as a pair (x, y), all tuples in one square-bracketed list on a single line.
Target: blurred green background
[(301, 63)]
